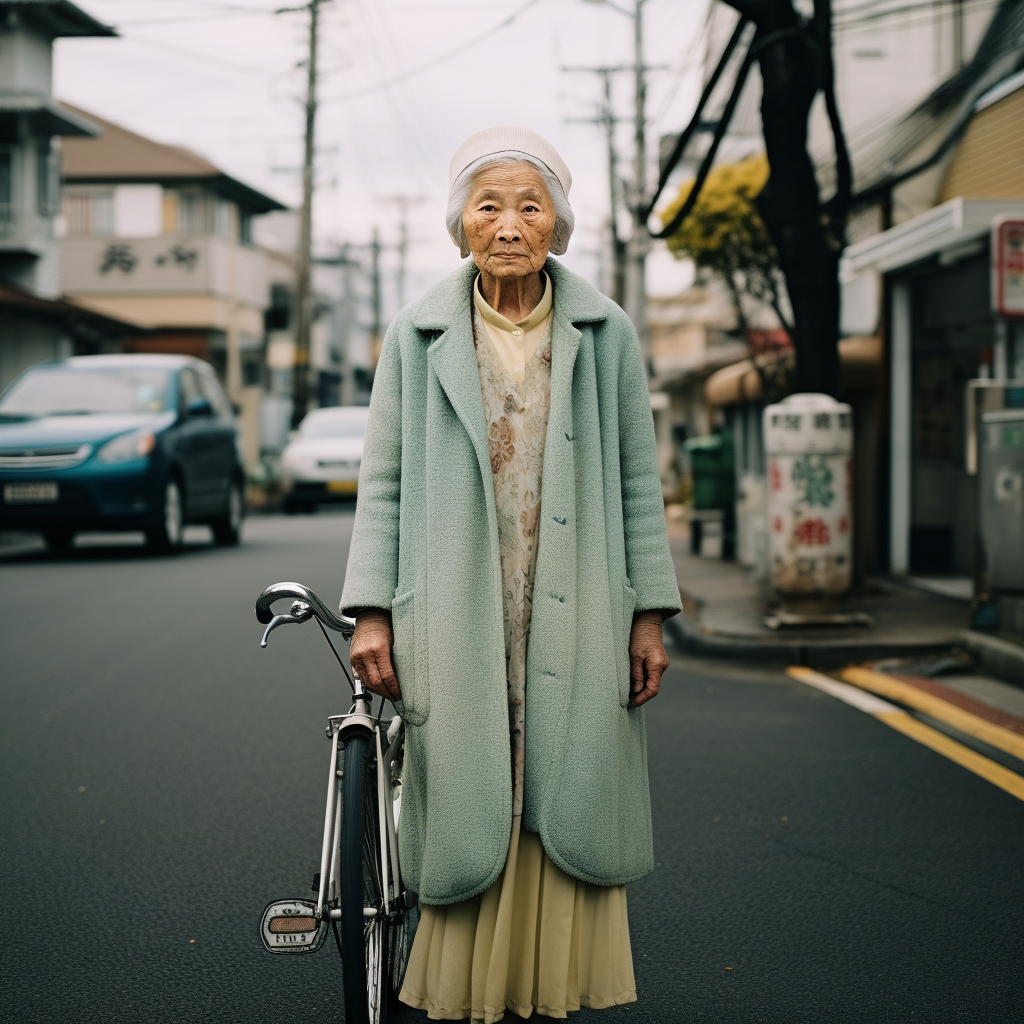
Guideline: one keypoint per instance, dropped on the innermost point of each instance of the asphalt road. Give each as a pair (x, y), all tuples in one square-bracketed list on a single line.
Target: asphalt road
[(162, 779)]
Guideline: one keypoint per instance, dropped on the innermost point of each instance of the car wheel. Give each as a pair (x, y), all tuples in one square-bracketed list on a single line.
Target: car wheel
[(59, 539), (228, 529), (167, 534), (293, 507)]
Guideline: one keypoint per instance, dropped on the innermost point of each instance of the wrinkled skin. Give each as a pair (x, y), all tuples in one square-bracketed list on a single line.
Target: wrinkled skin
[(508, 220), (370, 652)]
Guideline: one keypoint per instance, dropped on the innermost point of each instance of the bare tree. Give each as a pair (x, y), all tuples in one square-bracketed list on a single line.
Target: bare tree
[(795, 57)]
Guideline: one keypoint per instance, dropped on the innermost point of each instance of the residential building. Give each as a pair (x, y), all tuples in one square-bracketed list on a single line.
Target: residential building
[(949, 353), (888, 57), (918, 315), (692, 335), (156, 235), (34, 324)]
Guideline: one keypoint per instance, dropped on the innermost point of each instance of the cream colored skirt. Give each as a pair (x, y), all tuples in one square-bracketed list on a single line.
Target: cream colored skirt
[(536, 939)]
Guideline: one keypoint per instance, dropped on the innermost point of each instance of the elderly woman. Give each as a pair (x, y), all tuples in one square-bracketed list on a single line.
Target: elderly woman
[(509, 575)]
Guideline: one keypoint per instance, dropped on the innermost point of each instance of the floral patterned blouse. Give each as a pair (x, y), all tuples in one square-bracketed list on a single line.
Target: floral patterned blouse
[(517, 420)]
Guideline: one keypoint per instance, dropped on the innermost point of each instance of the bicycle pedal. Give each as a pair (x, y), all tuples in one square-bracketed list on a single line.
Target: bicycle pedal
[(290, 926)]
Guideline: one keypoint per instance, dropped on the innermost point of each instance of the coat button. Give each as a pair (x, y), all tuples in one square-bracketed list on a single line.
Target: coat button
[(560, 520)]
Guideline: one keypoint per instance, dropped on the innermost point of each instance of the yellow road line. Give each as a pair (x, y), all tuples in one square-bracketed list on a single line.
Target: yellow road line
[(963, 756), (905, 723), (936, 707)]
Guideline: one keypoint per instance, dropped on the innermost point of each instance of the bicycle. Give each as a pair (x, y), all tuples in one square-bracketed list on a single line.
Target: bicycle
[(360, 893)]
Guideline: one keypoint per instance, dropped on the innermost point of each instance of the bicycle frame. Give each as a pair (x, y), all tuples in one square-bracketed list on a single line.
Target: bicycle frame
[(304, 931), (359, 718)]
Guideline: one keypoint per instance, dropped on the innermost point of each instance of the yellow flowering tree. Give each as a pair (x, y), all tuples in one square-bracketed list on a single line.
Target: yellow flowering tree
[(725, 236)]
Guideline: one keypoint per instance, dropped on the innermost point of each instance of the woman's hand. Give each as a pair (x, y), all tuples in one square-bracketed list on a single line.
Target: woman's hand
[(647, 657), (370, 653)]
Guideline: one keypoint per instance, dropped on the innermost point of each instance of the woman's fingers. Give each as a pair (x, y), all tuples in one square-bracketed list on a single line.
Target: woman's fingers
[(370, 653), (387, 675), (636, 672), (653, 664), (374, 668), (372, 680)]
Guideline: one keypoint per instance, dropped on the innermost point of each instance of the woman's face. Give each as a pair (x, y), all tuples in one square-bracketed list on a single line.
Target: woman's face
[(509, 220)]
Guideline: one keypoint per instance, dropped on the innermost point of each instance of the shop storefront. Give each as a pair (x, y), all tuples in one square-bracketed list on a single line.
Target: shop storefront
[(950, 358)]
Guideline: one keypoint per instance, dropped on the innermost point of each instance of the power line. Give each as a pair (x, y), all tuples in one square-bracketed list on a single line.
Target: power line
[(210, 15), (685, 65), (608, 120), (205, 58), (435, 61), (412, 129), (941, 10)]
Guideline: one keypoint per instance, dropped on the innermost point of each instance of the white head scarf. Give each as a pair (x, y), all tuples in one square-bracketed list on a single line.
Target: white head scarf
[(509, 142)]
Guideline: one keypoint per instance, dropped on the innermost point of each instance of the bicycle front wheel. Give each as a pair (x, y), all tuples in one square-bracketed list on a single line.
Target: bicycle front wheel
[(364, 927)]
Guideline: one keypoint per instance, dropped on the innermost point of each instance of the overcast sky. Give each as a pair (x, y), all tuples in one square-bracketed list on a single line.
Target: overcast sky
[(225, 80)]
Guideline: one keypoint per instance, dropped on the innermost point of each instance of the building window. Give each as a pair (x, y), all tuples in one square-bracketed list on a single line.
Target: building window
[(244, 226), (88, 211), (6, 190), (224, 218), (47, 180), (195, 213)]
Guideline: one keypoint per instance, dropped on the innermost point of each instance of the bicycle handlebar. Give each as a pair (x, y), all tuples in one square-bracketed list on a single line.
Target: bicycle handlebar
[(339, 623)]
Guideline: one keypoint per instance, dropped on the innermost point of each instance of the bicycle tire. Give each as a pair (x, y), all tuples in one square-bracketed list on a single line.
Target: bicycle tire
[(364, 939), (403, 930)]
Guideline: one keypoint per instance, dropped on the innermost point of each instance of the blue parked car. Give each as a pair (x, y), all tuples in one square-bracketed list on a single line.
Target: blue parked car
[(128, 442)]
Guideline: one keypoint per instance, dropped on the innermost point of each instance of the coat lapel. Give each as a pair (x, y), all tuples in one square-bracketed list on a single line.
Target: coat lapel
[(447, 308), (574, 304), (565, 343), (452, 356)]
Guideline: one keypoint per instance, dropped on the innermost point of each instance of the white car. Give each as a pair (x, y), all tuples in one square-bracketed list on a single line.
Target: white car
[(321, 461)]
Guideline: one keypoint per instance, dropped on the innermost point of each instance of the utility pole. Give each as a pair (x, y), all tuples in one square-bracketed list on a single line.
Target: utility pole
[(303, 289), (638, 246), (403, 203), (347, 316), (640, 240), (376, 327), (616, 243)]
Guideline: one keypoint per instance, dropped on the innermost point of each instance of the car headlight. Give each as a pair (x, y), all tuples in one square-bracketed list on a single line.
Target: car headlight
[(136, 445)]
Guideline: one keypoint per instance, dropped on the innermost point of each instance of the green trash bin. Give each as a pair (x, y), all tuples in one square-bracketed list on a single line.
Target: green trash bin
[(713, 468)]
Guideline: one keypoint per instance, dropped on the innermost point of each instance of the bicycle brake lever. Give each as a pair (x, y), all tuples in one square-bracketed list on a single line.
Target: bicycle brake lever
[(300, 611)]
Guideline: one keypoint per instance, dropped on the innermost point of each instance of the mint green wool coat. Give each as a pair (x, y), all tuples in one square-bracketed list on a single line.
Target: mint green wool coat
[(425, 545)]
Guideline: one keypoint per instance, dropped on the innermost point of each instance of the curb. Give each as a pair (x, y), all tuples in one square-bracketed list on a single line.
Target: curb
[(814, 653), (1000, 658)]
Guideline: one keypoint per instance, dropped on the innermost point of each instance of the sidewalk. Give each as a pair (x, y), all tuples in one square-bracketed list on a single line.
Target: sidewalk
[(724, 610)]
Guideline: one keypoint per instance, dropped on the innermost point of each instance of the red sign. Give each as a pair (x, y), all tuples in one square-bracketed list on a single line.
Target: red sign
[(1008, 266)]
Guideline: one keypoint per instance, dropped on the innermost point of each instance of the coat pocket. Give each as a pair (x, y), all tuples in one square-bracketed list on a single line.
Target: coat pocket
[(628, 607), (410, 660)]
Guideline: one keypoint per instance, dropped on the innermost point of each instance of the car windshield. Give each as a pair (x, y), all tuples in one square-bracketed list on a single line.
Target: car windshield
[(343, 423), (72, 391)]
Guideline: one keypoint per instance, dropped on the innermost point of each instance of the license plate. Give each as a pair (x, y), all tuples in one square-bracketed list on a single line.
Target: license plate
[(342, 486), (31, 494)]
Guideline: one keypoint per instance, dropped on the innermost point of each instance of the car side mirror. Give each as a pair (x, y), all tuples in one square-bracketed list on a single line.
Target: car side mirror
[(199, 407)]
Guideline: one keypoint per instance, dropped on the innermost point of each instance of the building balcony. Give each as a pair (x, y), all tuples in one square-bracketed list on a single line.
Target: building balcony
[(165, 266)]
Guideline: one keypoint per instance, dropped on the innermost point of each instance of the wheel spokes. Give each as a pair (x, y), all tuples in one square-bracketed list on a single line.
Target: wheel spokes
[(374, 926)]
